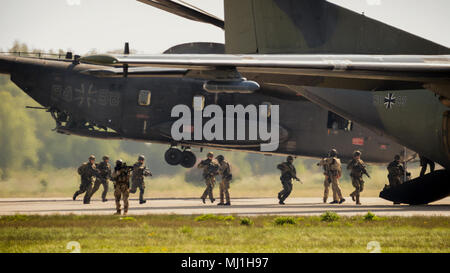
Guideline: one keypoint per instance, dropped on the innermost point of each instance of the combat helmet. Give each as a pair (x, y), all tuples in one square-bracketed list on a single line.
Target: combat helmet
[(210, 154), (290, 158), (220, 157), (92, 157), (119, 163), (357, 153), (141, 157), (105, 157)]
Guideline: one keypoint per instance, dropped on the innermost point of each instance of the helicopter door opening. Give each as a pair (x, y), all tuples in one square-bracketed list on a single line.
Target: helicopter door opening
[(338, 123)]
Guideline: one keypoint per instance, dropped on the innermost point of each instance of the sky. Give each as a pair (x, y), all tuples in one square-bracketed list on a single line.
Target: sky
[(83, 25)]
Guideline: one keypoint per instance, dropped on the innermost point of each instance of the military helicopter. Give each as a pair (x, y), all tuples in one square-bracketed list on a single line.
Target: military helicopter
[(132, 97)]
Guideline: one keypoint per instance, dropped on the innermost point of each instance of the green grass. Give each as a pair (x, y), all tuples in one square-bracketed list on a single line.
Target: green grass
[(329, 216), (176, 233)]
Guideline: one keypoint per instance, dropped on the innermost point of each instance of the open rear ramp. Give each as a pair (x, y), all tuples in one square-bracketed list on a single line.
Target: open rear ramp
[(422, 190)]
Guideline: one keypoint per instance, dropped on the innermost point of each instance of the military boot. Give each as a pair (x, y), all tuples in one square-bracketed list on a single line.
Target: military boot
[(324, 200), (357, 200), (75, 196), (142, 201), (125, 212), (342, 201), (203, 200), (334, 202), (221, 204), (118, 212), (352, 195), (212, 200), (227, 204)]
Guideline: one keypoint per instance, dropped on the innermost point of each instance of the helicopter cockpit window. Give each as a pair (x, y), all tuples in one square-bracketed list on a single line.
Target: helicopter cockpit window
[(336, 122), (198, 103), (144, 97)]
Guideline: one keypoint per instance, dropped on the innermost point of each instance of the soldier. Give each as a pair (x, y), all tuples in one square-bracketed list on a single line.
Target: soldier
[(105, 174), (423, 163), (225, 172), (137, 180), (288, 173), (332, 165), (210, 170), (396, 172), (88, 172), (357, 169), (121, 179), (327, 184)]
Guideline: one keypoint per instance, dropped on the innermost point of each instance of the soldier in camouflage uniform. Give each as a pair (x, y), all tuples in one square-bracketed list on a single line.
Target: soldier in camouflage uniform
[(137, 180), (88, 173), (105, 174), (357, 169), (210, 170), (327, 185), (333, 166), (225, 173), (288, 173), (121, 179), (396, 172)]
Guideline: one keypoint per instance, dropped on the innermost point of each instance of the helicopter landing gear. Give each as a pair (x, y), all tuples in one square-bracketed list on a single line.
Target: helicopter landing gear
[(185, 158), (188, 160), (173, 156)]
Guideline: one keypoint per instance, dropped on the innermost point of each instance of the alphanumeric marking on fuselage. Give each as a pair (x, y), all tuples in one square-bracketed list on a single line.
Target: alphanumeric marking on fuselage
[(389, 100), (86, 95)]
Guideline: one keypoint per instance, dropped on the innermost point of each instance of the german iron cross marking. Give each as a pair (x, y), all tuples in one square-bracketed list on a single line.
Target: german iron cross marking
[(389, 100)]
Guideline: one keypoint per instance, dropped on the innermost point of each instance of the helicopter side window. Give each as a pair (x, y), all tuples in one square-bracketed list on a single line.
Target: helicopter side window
[(336, 122), (144, 97), (198, 103)]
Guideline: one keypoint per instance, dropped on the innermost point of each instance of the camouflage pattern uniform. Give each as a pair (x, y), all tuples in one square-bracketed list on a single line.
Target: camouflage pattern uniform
[(396, 172), (288, 173), (105, 174), (327, 185), (225, 173), (333, 165), (137, 179), (88, 173), (210, 170), (357, 169), (121, 178)]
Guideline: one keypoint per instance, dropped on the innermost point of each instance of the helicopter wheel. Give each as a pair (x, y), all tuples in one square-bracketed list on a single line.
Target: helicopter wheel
[(188, 159), (173, 156)]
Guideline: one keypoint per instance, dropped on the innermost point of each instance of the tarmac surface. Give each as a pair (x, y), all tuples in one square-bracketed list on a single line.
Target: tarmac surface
[(240, 206)]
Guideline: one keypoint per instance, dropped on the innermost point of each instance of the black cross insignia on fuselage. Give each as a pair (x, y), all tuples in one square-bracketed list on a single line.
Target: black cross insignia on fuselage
[(389, 101)]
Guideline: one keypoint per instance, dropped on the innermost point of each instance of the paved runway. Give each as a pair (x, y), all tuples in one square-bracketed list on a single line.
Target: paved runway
[(241, 206)]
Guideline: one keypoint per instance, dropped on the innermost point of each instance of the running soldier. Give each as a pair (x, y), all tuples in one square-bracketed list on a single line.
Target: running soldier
[(225, 173), (357, 169), (210, 170), (137, 180), (121, 179), (88, 173), (105, 174), (333, 166), (288, 173)]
